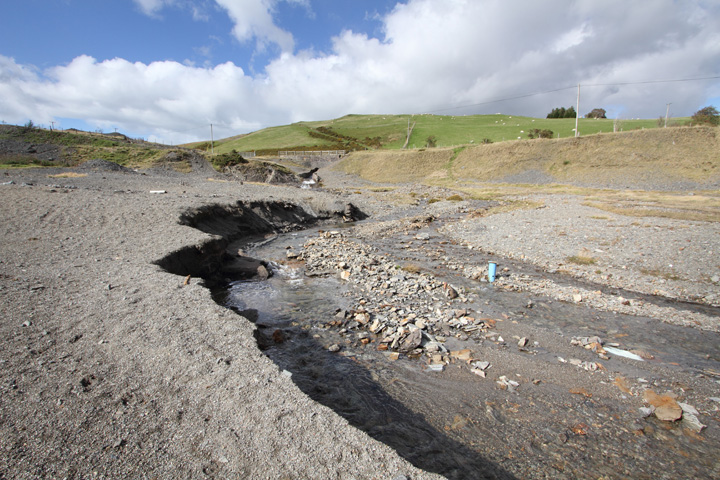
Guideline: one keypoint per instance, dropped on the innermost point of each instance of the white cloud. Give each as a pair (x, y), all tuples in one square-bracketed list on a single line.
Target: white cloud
[(572, 38), (432, 56), (152, 7), (436, 55), (253, 19), (159, 97)]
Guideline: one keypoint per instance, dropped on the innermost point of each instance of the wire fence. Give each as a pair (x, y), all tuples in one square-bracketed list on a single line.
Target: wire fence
[(311, 153)]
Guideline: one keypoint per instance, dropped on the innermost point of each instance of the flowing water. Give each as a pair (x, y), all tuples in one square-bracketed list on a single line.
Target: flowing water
[(453, 424)]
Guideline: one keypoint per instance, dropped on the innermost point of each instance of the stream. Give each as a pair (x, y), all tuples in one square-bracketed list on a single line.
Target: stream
[(557, 422)]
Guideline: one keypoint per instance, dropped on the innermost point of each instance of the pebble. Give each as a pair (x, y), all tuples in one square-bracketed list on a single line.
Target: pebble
[(691, 421), (688, 409), (666, 407), (506, 383)]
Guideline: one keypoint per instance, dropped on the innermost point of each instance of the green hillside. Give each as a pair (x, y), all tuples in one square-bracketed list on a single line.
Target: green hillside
[(368, 132)]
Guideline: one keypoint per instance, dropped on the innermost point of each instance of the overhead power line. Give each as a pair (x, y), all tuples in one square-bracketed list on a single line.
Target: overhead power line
[(650, 81)]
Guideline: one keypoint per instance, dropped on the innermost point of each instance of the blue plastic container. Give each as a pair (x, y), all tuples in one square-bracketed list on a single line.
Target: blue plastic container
[(492, 267)]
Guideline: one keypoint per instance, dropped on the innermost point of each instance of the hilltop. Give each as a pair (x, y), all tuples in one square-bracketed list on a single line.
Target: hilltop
[(393, 132)]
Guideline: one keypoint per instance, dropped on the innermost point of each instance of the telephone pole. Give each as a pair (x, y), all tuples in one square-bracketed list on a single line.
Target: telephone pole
[(577, 113), (212, 141), (667, 112)]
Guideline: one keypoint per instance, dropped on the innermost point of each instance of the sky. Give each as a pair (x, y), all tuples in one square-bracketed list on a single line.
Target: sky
[(165, 70)]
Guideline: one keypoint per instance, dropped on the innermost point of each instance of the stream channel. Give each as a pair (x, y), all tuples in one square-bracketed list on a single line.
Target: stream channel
[(550, 420)]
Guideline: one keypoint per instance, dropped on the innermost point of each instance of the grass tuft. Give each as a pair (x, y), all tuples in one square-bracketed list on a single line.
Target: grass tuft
[(581, 260), (68, 175), (412, 268)]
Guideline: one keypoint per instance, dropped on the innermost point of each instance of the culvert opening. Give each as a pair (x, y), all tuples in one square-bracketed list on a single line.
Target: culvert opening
[(283, 305)]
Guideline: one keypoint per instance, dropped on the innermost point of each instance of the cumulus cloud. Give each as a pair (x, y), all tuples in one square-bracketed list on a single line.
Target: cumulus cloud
[(434, 56), (151, 7), (452, 57), (161, 97), (253, 19)]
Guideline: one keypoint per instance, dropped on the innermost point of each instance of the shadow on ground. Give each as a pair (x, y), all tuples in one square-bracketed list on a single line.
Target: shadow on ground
[(346, 387)]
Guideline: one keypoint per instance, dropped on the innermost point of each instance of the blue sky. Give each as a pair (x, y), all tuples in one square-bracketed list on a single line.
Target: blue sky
[(166, 69)]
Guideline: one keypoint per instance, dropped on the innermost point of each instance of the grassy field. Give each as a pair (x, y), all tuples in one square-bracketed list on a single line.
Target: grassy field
[(390, 131)]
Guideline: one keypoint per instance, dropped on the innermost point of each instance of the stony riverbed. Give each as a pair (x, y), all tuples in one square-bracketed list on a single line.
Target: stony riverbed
[(115, 366), (542, 374)]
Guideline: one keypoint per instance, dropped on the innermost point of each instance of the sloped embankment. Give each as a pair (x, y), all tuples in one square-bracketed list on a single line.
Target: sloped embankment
[(213, 260), (673, 158)]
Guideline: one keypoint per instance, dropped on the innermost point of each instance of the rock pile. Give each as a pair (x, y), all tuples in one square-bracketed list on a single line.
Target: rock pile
[(401, 310)]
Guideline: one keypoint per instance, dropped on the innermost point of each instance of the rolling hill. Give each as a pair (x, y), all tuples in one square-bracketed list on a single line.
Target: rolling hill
[(367, 132)]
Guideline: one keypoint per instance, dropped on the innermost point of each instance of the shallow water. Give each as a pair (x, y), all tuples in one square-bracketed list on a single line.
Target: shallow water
[(448, 422)]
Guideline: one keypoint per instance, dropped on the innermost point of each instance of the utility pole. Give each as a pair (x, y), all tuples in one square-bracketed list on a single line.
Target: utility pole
[(667, 112), (212, 141), (577, 113)]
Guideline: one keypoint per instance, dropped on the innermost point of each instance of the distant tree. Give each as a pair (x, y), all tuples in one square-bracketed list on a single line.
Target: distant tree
[(431, 141), (706, 116), (562, 112), (596, 113), (557, 113), (537, 133)]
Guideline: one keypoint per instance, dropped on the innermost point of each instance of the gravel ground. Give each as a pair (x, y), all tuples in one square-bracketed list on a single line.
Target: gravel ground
[(656, 256), (112, 368)]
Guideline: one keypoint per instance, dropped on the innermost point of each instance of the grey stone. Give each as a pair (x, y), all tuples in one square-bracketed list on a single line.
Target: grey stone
[(691, 421), (412, 341), (686, 408)]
